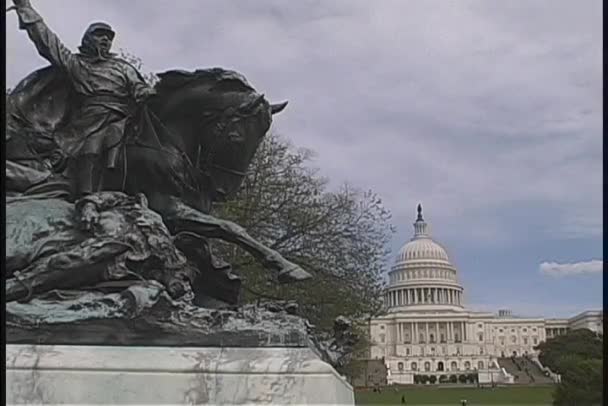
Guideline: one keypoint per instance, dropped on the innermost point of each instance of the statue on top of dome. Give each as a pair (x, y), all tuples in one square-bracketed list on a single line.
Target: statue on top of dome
[(419, 213)]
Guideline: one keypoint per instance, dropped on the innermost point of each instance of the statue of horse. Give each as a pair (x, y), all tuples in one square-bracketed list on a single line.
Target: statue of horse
[(188, 146)]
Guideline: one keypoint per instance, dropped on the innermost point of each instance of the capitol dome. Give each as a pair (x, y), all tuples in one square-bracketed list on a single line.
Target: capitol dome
[(422, 248), (422, 275)]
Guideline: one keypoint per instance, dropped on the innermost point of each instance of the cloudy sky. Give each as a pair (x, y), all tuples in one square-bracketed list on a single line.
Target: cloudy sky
[(488, 112)]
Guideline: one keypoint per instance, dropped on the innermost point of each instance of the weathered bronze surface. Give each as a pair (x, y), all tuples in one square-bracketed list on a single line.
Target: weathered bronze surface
[(110, 184)]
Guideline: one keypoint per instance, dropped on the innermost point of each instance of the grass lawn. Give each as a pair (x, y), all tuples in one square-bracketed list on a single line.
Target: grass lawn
[(518, 395)]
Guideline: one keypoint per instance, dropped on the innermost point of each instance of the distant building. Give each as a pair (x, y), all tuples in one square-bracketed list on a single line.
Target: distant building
[(427, 330)]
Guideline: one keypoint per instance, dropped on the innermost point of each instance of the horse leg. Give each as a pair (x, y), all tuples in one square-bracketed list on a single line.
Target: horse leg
[(181, 217)]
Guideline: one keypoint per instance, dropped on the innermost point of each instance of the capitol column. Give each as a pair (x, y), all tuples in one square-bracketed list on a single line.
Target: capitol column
[(412, 334)]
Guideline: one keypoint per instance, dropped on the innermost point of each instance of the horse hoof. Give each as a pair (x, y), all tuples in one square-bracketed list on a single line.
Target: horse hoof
[(294, 274)]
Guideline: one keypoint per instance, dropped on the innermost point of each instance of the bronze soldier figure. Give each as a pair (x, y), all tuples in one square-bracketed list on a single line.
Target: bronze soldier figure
[(107, 89)]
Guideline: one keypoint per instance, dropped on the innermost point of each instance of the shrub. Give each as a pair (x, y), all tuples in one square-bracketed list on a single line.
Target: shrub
[(453, 379), (443, 379), (462, 378), (433, 379)]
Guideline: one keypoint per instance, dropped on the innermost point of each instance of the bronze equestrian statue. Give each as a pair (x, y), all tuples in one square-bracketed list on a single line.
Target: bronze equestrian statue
[(89, 125)]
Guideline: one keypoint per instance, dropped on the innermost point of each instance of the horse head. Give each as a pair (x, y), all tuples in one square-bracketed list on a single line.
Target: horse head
[(217, 119)]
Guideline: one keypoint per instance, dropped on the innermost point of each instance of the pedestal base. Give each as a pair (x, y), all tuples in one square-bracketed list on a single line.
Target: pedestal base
[(55, 374)]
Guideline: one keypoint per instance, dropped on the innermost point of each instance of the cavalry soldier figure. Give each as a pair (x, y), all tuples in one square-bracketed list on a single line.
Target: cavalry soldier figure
[(107, 92)]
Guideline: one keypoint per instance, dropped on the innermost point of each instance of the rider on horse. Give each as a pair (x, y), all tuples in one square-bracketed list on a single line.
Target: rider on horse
[(107, 91)]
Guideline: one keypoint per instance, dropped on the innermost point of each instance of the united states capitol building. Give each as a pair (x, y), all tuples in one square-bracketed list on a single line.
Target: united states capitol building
[(427, 330)]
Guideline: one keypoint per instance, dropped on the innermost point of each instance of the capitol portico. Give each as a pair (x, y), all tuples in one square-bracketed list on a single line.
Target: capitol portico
[(427, 330)]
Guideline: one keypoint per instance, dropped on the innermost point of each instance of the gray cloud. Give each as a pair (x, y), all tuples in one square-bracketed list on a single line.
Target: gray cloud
[(478, 109)]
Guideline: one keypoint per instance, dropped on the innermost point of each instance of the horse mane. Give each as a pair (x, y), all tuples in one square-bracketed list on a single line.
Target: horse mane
[(216, 79)]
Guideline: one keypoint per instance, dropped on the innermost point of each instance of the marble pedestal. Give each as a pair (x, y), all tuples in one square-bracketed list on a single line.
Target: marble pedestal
[(63, 374)]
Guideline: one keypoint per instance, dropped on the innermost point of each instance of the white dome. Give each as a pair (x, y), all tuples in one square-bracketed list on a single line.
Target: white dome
[(422, 277), (421, 249)]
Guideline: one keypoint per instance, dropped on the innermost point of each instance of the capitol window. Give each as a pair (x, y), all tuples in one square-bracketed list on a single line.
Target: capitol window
[(381, 338), (400, 366), (480, 337), (525, 340), (513, 339), (407, 351), (427, 366), (414, 366), (480, 365), (535, 340)]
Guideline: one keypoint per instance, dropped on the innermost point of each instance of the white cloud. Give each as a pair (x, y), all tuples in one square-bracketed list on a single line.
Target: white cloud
[(577, 268)]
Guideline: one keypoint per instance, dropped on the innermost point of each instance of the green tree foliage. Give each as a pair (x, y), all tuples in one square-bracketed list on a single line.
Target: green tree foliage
[(578, 358), (581, 343), (581, 382), (341, 237)]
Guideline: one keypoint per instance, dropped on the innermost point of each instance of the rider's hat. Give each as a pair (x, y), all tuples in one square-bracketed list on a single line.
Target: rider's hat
[(100, 26)]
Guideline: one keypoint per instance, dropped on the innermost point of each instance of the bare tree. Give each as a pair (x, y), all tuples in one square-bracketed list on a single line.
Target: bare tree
[(341, 236)]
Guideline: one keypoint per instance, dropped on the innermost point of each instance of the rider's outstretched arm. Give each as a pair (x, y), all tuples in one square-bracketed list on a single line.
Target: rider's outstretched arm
[(49, 46)]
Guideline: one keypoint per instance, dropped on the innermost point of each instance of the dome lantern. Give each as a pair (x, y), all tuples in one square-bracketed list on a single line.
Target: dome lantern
[(420, 226)]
